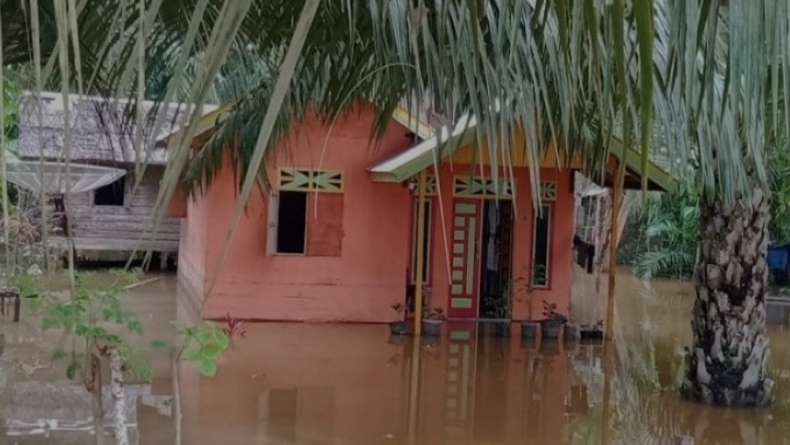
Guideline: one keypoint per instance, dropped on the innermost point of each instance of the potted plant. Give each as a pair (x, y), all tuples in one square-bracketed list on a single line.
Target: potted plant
[(501, 312), (432, 321), (552, 323), (522, 289), (399, 326)]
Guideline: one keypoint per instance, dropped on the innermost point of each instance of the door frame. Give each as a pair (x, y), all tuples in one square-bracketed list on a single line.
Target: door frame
[(472, 312), (479, 204)]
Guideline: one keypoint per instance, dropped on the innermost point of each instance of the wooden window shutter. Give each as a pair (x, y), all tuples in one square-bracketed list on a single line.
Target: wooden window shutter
[(272, 217), (324, 224)]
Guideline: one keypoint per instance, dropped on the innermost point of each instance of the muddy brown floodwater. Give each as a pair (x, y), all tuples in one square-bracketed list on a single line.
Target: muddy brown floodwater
[(353, 384)]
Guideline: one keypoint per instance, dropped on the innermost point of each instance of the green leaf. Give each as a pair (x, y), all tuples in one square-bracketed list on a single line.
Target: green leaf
[(158, 344), (107, 314), (643, 10), (221, 339), (112, 338), (58, 354), (194, 355), (205, 337), (135, 326), (208, 368), (71, 370), (211, 352)]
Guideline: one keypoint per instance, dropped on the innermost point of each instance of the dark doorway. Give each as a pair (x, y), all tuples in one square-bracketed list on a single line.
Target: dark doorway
[(292, 222), (495, 255)]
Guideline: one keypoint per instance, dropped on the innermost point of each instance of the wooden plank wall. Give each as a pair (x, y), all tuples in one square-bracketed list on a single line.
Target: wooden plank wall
[(120, 228)]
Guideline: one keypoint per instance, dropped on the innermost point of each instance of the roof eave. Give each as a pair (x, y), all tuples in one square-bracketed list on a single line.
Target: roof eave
[(205, 123)]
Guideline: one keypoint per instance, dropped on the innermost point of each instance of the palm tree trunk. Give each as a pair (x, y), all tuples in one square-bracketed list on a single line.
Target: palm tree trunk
[(727, 364)]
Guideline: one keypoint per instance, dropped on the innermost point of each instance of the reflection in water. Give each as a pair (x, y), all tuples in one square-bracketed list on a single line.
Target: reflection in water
[(353, 384), (348, 384), (57, 411), (469, 389)]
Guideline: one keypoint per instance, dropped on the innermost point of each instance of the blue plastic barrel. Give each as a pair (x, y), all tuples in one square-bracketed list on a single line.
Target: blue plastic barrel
[(778, 257)]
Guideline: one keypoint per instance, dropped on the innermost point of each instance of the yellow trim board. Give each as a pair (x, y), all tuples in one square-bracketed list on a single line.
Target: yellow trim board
[(461, 149), (205, 123), (413, 123)]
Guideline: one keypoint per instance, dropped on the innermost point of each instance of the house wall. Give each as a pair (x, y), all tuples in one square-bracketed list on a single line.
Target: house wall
[(360, 284), (121, 228), (525, 305), (192, 257)]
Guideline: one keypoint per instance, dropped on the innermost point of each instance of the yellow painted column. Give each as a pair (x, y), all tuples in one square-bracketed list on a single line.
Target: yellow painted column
[(419, 279)]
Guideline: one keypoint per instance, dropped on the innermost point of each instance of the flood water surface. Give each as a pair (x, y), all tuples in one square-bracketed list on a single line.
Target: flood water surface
[(354, 384)]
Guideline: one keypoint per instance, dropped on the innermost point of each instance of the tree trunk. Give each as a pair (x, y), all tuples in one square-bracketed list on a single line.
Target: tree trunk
[(727, 364), (119, 405), (96, 391), (176, 398)]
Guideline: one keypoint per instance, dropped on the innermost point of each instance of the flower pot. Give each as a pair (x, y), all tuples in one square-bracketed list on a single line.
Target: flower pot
[(529, 329), (432, 328), (550, 328), (399, 328)]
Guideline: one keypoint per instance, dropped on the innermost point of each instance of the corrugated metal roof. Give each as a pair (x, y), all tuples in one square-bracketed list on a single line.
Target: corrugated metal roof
[(102, 131)]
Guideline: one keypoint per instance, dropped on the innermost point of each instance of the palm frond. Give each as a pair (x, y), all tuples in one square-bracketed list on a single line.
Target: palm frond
[(663, 263)]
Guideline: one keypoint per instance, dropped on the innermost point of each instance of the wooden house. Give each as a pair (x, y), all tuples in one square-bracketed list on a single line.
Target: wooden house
[(111, 221), (335, 239)]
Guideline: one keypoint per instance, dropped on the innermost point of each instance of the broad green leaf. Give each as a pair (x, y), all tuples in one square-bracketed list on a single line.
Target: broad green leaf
[(194, 355), (205, 337), (158, 344), (221, 338), (211, 352), (208, 368)]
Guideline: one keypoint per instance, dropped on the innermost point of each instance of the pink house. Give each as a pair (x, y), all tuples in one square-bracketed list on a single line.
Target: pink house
[(334, 239)]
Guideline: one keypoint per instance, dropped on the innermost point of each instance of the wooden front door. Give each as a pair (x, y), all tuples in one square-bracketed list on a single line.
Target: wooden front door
[(465, 259)]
